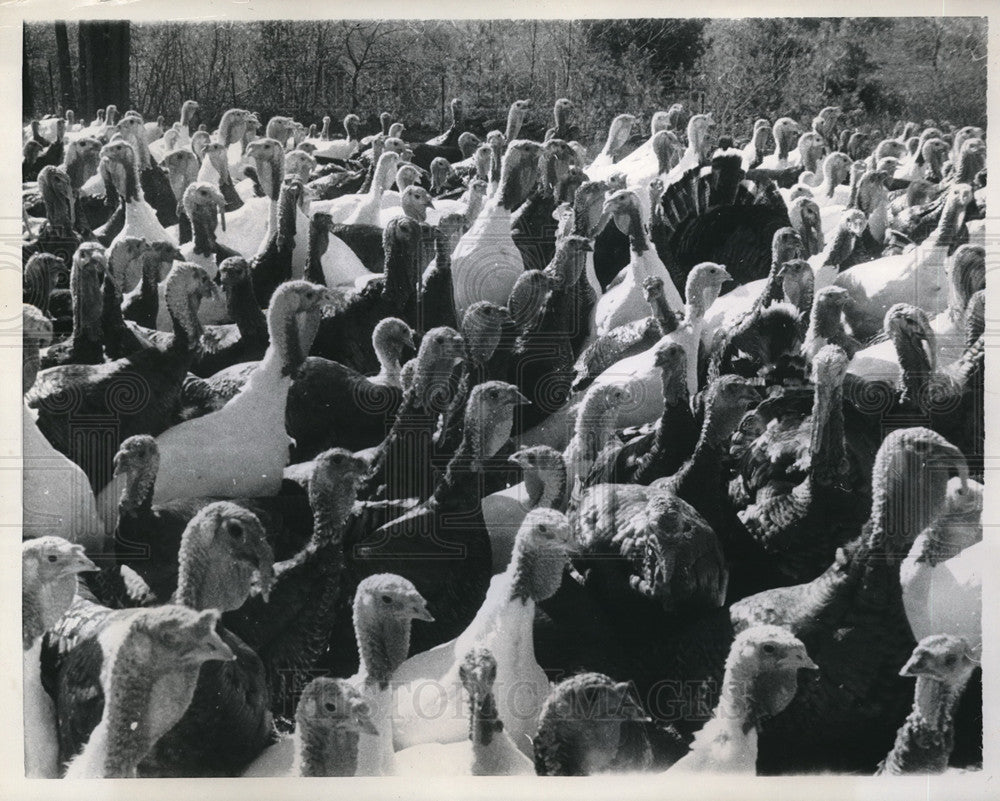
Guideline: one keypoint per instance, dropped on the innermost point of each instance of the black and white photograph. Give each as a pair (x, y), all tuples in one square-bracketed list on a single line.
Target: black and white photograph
[(481, 397)]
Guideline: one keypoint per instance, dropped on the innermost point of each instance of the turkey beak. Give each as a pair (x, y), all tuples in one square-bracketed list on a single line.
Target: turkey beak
[(79, 564), (430, 203), (799, 659), (518, 458), (213, 649), (518, 399), (726, 276), (420, 613), (916, 665)]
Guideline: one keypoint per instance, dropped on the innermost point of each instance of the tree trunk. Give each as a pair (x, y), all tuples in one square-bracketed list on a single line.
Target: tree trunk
[(104, 63), (66, 94)]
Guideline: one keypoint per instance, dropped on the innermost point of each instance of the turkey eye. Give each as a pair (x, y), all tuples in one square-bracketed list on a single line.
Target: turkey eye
[(52, 558), (494, 394), (543, 528), (235, 529), (950, 660), (386, 599), (768, 649), (329, 706)]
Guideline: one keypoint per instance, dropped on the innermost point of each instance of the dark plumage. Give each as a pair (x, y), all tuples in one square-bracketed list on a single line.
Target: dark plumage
[(436, 296), (589, 724), (223, 549), (543, 359), (852, 620), (330, 405), (273, 266), (244, 340), (141, 305), (721, 219), (341, 337), (139, 393), (85, 344), (655, 451), (801, 524), (442, 546), (403, 464), (291, 630)]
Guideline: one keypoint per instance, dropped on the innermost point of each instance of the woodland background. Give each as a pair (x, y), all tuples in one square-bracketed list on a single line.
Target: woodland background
[(880, 69)]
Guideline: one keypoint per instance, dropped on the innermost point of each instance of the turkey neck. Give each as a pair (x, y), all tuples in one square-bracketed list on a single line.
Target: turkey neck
[(203, 222), (383, 643), (699, 297), (925, 741), (516, 182), (663, 314), (748, 696), (594, 427), (484, 722), (546, 488), (37, 286), (326, 750), (401, 273), (825, 322), (137, 494), (826, 445), (183, 310), (810, 160), (703, 469), (142, 706), (150, 274), (968, 165), (285, 232), (390, 370), (481, 341), (514, 122), (58, 211), (675, 390), (481, 439), (636, 234), (331, 506), (432, 391), (947, 228), (799, 291), (905, 499), (241, 306), (86, 296), (915, 368), (319, 241), (207, 583), (44, 606), (535, 572), (444, 246), (841, 248), (476, 200)]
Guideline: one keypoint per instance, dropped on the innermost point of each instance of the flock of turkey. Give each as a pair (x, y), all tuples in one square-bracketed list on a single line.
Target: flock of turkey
[(486, 456)]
